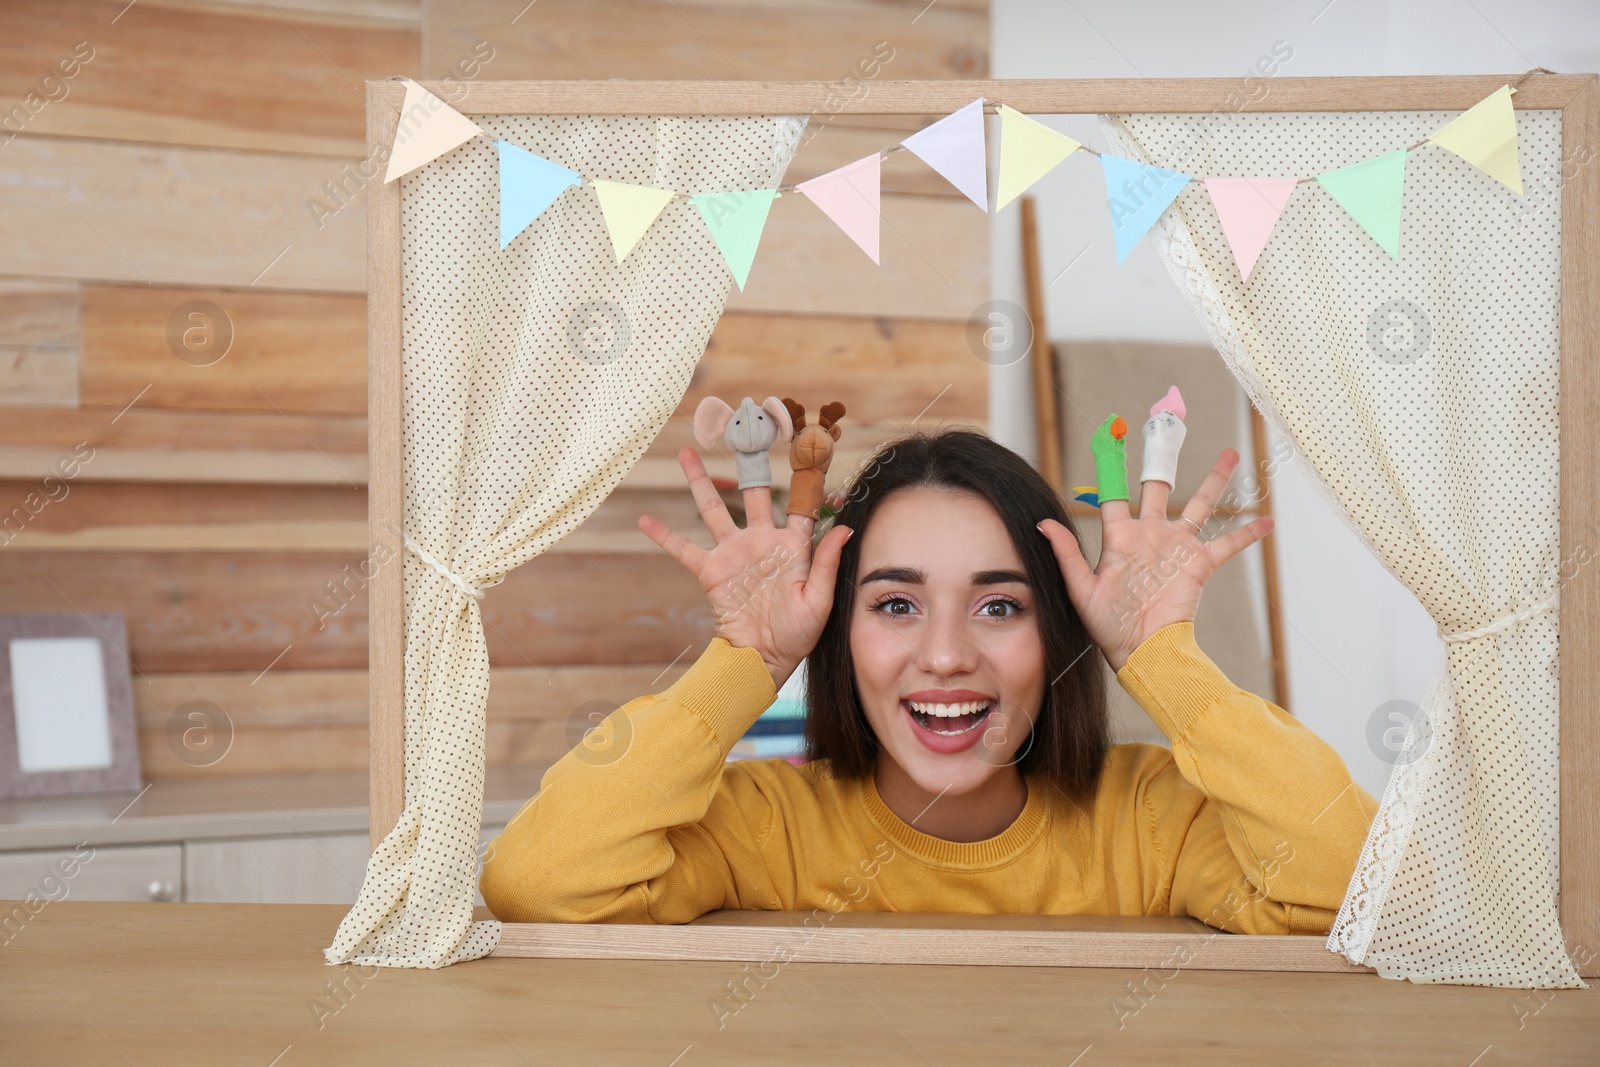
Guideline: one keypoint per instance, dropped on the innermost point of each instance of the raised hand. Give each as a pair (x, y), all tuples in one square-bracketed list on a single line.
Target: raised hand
[(764, 587), (1151, 570)]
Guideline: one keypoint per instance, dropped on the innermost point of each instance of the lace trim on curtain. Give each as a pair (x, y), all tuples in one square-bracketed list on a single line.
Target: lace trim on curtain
[(787, 141)]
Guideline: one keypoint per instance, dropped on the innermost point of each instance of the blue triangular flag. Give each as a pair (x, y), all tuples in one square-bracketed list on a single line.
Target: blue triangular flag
[(1137, 194), (528, 185)]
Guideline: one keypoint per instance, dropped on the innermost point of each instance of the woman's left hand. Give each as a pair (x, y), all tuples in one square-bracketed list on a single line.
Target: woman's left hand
[(1151, 570)]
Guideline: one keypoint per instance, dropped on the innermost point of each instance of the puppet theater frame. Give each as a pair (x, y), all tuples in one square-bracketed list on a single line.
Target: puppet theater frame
[(1018, 940)]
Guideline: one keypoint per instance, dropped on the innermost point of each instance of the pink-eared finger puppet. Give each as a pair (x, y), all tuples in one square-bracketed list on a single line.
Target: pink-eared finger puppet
[(749, 432), (1163, 437)]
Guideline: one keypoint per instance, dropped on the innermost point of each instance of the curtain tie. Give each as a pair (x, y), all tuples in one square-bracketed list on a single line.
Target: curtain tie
[(1504, 622), (454, 578)]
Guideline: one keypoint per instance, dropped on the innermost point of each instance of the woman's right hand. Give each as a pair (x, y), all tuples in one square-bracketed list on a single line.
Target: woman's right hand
[(764, 587)]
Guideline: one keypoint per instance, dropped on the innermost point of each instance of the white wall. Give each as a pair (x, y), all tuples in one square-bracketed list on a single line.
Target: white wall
[(1356, 637)]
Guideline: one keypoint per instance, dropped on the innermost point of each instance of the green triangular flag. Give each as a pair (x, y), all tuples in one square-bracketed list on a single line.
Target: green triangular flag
[(735, 220), (1371, 192)]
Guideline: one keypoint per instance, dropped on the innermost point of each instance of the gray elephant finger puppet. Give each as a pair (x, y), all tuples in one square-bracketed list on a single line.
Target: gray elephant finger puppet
[(749, 432), (809, 455)]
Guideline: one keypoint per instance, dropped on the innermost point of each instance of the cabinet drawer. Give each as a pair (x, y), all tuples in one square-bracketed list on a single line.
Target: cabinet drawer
[(94, 872), (310, 869), (304, 869)]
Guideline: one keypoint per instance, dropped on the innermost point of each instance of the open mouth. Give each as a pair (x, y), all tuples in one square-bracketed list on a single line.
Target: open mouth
[(950, 720)]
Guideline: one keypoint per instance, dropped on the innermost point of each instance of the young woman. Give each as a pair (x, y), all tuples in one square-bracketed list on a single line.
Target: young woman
[(956, 731)]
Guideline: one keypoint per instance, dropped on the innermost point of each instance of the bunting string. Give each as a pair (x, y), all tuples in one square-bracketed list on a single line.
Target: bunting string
[(1370, 191)]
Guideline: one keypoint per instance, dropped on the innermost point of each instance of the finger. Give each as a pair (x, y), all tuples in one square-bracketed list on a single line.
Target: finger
[(804, 525), (1153, 494), (825, 569), (1113, 511), (1234, 542), (712, 510), (758, 506), (678, 547), (1200, 507), (1069, 557)]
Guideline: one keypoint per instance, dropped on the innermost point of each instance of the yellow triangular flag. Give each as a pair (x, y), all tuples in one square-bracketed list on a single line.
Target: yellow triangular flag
[(629, 211), (1486, 137), (1028, 151), (428, 129)]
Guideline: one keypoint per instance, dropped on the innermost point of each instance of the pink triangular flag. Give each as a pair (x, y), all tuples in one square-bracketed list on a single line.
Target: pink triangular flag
[(849, 196), (1248, 209), (953, 146)]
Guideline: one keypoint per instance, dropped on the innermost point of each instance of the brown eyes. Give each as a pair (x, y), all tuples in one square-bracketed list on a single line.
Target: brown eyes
[(886, 606), (882, 605)]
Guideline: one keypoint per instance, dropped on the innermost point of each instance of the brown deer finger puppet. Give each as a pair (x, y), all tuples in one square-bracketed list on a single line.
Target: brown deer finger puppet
[(810, 452)]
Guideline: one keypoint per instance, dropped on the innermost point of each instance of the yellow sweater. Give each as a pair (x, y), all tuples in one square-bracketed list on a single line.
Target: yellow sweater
[(1249, 822)]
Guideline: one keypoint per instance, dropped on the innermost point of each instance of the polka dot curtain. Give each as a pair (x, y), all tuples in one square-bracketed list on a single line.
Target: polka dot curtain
[(1423, 395), (534, 378)]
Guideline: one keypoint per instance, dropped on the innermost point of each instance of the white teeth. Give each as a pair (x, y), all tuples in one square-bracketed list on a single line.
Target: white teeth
[(948, 711)]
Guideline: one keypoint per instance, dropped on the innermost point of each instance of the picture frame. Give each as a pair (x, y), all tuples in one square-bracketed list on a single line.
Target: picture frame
[(67, 724), (1095, 941)]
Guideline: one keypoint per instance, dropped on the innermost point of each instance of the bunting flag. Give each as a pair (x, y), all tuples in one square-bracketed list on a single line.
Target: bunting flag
[(849, 196), (735, 220), (1028, 151), (428, 129), (1137, 193), (629, 211), (528, 185), (1248, 209), (1371, 192), (953, 146), (1486, 137)]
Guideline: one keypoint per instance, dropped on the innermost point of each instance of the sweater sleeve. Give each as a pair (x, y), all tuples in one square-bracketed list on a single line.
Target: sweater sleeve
[(647, 829), (1262, 830)]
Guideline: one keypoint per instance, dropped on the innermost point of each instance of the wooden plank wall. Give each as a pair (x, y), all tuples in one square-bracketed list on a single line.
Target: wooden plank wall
[(183, 320)]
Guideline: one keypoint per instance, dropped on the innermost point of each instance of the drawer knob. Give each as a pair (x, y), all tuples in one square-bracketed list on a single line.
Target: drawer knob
[(163, 892)]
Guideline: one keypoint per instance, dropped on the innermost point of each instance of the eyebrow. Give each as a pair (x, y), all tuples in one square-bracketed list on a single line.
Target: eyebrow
[(913, 576)]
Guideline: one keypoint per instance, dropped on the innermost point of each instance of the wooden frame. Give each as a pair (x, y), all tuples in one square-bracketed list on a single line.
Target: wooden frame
[(1017, 939), (121, 773)]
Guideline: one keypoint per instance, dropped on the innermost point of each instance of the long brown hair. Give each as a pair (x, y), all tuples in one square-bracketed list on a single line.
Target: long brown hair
[(1072, 732)]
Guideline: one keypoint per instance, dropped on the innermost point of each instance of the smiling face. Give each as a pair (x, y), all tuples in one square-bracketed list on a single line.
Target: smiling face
[(949, 664)]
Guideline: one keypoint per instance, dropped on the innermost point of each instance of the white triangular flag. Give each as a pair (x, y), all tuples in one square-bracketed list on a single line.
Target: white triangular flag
[(953, 146)]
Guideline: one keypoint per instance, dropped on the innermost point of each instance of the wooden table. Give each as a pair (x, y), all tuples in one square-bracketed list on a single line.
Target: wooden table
[(91, 983)]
